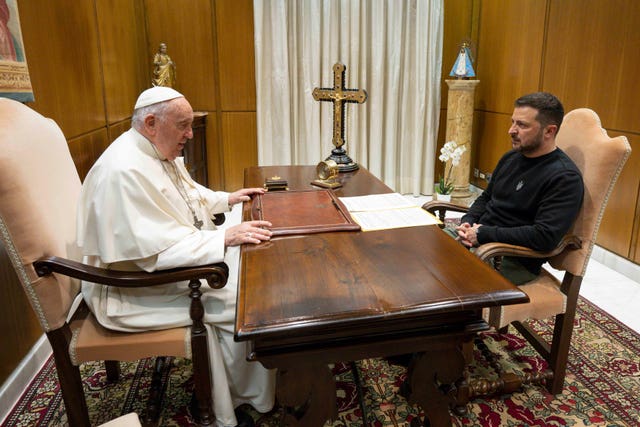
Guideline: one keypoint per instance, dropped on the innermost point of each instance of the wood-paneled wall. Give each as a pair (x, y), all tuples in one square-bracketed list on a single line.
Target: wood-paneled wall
[(89, 60)]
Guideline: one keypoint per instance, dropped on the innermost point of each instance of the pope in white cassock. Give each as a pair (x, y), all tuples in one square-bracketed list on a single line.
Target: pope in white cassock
[(140, 209)]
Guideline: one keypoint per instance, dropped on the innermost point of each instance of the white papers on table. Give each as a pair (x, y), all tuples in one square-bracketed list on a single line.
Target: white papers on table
[(393, 218), (385, 211), (376, 202)]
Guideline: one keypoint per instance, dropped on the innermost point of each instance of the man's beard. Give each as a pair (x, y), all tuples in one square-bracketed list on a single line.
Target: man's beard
[(533, 145)]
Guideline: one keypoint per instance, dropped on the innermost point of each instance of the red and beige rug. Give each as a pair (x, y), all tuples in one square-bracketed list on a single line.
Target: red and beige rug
[(602, 386)]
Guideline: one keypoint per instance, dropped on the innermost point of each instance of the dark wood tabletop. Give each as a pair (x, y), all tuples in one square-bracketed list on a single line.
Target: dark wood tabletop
[(308, 300), (340, 284)]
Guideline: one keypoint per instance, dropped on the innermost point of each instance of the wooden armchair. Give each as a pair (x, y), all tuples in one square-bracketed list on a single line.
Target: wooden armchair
[(39, 189), (600, 160)]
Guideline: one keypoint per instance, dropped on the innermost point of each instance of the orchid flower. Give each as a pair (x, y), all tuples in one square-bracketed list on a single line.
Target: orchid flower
[(450, 153)]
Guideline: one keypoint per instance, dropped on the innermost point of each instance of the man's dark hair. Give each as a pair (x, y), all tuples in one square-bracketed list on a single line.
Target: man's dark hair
[(550, 109)]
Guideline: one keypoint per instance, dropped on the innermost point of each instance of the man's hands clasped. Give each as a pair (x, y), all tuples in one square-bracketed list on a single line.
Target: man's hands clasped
[(468, 234)]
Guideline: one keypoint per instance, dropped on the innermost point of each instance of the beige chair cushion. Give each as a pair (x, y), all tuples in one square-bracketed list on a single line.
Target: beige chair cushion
[(91, 341), (546, 300)]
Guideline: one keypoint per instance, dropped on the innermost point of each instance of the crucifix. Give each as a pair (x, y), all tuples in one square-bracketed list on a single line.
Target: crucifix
[(339, 95)]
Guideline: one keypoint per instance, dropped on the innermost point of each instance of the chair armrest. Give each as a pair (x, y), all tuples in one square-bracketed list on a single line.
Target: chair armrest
[(494, 249), (216, 274), (439, 208), (437, 205)]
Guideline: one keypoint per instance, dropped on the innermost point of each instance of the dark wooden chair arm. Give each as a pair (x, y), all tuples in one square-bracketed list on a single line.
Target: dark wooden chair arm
[(489, 251), (215, 274), (440, 208), (437, 205)]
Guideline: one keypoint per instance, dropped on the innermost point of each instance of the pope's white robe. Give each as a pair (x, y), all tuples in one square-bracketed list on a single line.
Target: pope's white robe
[(131, 216)]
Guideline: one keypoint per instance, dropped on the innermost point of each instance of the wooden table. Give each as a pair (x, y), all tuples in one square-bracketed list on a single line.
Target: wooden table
[(309, 300)]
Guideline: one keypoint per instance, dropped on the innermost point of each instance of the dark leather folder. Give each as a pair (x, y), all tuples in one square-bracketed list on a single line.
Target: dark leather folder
[(302, 212)]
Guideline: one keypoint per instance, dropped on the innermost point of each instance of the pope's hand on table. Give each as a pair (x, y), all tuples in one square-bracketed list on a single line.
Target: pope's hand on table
[(247, 232)]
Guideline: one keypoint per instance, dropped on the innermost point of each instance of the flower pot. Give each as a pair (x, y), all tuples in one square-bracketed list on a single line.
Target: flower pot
[(442, 197)]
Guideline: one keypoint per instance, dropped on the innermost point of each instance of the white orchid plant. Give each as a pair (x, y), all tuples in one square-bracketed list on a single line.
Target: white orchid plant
[(450, 154)]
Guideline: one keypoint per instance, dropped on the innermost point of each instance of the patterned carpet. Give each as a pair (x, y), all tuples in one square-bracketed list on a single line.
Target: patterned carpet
[(602, 387)]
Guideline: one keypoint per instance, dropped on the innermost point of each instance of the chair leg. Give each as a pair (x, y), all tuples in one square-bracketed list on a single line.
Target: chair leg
[(200, 357), (562, 332), (156, 392), (202, 378), (112, 367), (69, 378)]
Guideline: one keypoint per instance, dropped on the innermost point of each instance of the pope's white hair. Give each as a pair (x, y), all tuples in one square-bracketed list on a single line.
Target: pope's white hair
[(158, 110)]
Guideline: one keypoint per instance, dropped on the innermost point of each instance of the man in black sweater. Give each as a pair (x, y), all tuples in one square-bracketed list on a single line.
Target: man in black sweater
[(532, 199), (534, 194)]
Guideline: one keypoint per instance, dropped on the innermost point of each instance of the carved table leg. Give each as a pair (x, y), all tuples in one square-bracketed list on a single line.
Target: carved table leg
[(308, 394), (433, 377), (463, 393)]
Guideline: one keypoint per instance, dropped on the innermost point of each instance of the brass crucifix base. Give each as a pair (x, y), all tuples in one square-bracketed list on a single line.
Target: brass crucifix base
[(340, 156)]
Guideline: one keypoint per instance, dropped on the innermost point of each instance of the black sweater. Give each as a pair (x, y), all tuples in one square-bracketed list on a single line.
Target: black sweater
[(529, 202)]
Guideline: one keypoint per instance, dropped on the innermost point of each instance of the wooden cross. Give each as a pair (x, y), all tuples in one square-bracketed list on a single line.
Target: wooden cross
[(339, 95)]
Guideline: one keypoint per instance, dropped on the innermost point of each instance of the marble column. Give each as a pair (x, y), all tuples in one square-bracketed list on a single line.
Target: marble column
[(459, 123)]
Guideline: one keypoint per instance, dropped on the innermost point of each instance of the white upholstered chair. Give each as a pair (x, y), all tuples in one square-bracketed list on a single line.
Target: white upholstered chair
[(39, 189)]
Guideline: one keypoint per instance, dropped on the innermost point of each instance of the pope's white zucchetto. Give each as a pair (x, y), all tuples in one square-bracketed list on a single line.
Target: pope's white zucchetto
[(156, 94)]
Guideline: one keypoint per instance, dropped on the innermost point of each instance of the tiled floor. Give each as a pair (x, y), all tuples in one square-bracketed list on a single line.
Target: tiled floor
[(611, 282)]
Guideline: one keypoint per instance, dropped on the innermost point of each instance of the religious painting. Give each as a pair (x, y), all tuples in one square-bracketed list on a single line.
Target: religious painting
[(14, 74)]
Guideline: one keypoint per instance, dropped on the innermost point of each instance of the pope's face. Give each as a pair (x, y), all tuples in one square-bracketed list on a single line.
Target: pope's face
[(526, 131), (173, 129)]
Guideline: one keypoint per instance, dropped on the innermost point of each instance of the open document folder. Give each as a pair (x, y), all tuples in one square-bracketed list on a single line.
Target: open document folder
[(385, 211)]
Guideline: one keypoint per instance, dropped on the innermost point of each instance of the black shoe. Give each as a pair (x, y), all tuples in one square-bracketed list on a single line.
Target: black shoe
[(243, 418), (400, 359), (405, 389)]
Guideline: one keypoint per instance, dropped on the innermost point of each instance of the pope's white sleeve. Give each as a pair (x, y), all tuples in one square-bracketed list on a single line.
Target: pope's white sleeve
[(217, 201), (199, 248)]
